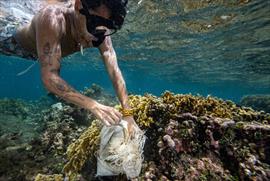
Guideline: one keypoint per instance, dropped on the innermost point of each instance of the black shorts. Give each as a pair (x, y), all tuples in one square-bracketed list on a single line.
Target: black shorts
[(11, 47)]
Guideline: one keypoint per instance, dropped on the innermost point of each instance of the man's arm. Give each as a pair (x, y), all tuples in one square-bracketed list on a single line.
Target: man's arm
[(49, 31), (110, 61)]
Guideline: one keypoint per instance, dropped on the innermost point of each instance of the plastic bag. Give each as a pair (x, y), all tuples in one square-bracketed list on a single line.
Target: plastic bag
[(119, 152)]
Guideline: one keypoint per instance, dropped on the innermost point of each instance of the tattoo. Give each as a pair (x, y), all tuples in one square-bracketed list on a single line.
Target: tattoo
[(57, 11), (43, 63), (58, 53), (76, 96), (47, 49), (47, 53), (55, 71), (61, 86)]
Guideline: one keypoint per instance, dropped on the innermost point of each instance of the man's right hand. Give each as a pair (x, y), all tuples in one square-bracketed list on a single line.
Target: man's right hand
[(108, 115)]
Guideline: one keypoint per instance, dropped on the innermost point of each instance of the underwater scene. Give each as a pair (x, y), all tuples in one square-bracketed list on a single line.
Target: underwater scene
[(197, 73)]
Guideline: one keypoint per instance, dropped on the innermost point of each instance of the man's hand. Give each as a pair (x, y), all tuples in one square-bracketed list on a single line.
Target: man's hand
[(108, 115), (130, 123), (50, 30)]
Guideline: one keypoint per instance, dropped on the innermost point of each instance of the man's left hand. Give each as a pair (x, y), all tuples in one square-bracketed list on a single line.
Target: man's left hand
[(130, 121)]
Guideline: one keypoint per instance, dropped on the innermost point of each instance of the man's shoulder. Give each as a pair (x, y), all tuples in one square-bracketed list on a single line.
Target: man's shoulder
[(51, 12), (51, 16)]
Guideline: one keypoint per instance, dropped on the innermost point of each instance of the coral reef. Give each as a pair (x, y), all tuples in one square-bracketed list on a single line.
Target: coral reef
[(197, 138), (257, 102), (49, 129), (204, 138), (14, 107), (97, 92), (82, 149), (188, 138)]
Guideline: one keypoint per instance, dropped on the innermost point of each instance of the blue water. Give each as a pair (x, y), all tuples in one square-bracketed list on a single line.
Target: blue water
[(218, 49), (139, 81)]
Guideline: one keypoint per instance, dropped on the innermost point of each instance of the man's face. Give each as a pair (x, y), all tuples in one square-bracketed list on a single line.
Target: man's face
[(86, 25), (102, 11)]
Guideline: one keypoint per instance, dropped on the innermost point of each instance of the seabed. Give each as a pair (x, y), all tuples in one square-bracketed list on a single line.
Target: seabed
[(188, 138)]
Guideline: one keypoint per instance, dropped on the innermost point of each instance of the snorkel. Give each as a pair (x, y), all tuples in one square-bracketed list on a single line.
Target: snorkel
[(93, 21)]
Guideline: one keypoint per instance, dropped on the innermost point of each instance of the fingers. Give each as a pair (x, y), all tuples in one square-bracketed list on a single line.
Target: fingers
[(108, 115), (109, 119), (106, 122), (116, 116), (113, 115)]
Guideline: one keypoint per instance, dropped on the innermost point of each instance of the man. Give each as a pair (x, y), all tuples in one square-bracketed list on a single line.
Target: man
[(58, 31)]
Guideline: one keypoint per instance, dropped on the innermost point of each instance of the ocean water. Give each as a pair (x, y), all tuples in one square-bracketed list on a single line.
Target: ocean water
[(219, 48), (206, 47)]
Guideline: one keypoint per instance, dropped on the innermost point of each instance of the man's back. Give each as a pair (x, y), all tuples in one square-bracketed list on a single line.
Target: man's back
[(17, 30)]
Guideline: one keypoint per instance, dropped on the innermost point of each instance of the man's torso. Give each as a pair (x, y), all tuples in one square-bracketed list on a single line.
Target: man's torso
[(23, 43)]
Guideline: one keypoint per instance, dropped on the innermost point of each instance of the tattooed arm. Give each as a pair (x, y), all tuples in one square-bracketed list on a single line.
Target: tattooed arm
[(110, 61), (49, 31), (109, 57)]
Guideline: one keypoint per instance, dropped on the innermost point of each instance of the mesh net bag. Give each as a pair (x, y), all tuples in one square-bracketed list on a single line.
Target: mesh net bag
[(120, 152)]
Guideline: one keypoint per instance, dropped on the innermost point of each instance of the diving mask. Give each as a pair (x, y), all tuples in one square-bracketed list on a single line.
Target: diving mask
[(94, 21)]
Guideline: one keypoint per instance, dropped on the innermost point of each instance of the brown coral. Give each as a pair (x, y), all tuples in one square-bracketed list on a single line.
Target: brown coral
[(82, 149), (190, 137)]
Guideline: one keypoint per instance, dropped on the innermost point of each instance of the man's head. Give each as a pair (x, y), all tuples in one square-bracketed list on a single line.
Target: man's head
[(98, 13), (116, 9)]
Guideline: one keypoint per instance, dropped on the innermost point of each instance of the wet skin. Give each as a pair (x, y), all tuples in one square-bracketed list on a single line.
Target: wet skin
[(56, 32)]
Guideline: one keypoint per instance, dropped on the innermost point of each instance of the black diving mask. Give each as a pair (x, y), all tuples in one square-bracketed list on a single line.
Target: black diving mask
[(94, 21)]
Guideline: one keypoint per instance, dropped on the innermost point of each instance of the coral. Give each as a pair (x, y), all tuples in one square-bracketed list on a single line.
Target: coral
[(14, 107), (55, 177), (21, 108), (49, 130), (188, 138), (197, 138), (100, 95), (63, 123), (82, 149), (147, 107), (140, 106), (257, 102), (191, 137)]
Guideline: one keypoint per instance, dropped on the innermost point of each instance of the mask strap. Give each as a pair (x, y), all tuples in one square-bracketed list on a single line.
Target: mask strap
[(84, 11), (111, 33), (102, 21)]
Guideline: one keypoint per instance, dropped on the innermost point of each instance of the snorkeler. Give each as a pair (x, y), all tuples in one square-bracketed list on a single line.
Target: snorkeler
[(56, 31)]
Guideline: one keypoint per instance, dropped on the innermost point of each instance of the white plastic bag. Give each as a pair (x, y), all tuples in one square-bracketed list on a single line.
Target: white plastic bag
[(119, 152)]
